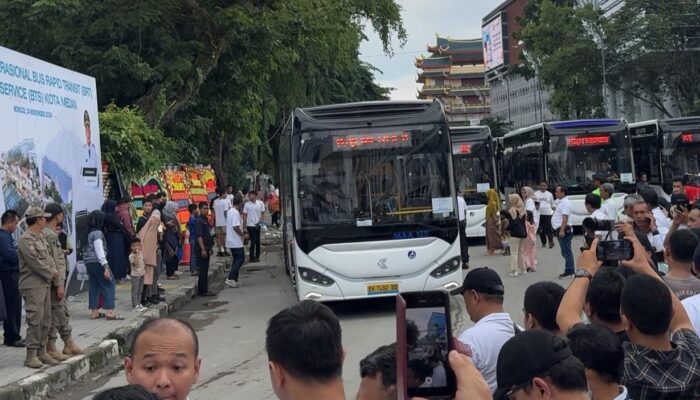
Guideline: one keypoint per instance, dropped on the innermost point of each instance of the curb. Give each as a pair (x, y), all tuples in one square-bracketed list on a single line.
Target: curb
[(53, 379)]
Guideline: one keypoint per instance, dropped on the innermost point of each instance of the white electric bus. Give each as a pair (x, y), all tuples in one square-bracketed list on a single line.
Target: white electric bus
[(368, 202), (570, 153), (474, 162), (667, 149)]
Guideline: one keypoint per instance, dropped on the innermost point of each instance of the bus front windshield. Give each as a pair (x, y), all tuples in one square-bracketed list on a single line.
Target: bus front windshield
[(474, 170), (577, 160), (374, 177), (683, 157)]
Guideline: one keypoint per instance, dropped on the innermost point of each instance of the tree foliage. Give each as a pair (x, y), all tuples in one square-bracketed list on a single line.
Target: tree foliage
[(130, 145), (652, 53), (654, 47), (499, 126), (567, 58), (221, 75)]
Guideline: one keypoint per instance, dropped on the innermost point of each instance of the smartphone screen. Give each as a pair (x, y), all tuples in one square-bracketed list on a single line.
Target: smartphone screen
[(427, 344), (614, 250)]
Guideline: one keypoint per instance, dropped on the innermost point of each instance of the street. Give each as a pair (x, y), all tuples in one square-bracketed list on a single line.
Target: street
[(231, 327)]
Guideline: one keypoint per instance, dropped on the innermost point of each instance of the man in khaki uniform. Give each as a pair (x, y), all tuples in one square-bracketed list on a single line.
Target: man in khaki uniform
[(36, 271), (60, 318)]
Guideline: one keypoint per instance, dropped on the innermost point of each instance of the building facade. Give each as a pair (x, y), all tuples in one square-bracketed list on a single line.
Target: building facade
[(522, 102), (454, 74)]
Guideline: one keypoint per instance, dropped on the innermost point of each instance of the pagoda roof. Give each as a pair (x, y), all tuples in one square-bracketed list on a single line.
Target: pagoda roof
[(433, 62), (456, 46)]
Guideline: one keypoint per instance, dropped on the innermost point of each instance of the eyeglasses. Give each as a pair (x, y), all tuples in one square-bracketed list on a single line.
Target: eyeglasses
[(510, 395)]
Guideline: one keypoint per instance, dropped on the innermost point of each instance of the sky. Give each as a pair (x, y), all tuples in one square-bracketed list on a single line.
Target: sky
[(458, 19)]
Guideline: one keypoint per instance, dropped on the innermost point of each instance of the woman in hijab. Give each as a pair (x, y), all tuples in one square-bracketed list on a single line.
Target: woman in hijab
[(101, 280), (516, 226), (171, 239), (116, 238), (149, 237), (493, 223)]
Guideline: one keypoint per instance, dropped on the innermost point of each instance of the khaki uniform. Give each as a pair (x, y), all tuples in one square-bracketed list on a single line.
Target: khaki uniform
[(36, 268), (60, 318)]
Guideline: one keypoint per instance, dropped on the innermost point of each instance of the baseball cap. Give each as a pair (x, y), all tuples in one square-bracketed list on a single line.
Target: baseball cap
[(35, 212), (527, 355), (53, 209), (483, 280)]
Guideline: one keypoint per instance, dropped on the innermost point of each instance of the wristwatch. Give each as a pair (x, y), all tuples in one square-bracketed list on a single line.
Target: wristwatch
[(582, 273)]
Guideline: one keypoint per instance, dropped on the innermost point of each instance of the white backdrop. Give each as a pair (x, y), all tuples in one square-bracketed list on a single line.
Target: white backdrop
[(48, 114)]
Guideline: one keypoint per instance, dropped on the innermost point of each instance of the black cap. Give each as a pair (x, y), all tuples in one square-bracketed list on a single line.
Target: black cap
[(483, 280), (527, 355), (53, 209)]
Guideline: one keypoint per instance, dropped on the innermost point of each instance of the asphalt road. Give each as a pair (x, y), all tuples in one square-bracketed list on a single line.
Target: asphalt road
[(231, 327)]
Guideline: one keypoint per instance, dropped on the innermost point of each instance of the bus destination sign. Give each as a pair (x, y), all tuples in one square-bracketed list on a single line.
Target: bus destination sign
[(463, 148), (596, 140), (371, 141)]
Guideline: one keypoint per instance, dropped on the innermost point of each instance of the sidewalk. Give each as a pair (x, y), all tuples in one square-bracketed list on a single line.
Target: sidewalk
[(102, 340)]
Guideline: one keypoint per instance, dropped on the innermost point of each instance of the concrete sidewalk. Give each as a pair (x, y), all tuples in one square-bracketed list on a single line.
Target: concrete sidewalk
[(102, 340)]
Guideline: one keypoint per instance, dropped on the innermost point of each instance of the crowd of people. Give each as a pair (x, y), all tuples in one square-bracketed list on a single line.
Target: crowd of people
[(116, 251), (617, 332)]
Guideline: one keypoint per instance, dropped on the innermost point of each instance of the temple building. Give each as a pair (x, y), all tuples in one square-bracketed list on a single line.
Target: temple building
[(454, 74)]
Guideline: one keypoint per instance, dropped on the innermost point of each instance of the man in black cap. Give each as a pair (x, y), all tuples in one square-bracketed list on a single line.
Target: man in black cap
[(483, 293), (539, 365)]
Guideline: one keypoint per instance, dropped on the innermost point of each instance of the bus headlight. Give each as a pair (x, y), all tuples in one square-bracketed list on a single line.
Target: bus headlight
[(450, 266), (314, 277)]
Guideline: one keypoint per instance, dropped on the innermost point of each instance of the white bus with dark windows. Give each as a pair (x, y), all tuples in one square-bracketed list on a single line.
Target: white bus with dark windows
[(571, 153), (668, 149), (474, 162), (368, 203)]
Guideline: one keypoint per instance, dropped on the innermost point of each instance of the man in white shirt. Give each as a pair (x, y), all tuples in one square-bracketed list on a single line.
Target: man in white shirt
[(462, 211), (608, 207), (645, 223), (234, 241), (89, 165), (592, 203), (663, 224), (544, 201), (252, 214), (483, 296), (560, 224), (221, 206)]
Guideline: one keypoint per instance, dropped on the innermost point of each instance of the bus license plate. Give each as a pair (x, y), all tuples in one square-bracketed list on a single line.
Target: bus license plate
[(382, 288)]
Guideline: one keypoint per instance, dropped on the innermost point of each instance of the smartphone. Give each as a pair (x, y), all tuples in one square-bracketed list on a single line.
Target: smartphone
[(614, 250), (424, 332)]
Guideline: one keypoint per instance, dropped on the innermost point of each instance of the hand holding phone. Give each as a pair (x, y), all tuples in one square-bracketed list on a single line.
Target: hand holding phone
[(471, 385), (424, 340)]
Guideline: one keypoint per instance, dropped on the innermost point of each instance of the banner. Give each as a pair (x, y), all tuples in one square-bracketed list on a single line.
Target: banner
[(50, 147)]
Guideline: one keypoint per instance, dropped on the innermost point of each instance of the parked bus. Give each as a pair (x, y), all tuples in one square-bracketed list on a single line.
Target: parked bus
[(666, 149), (475, 172), (570, 153), (368, 203)]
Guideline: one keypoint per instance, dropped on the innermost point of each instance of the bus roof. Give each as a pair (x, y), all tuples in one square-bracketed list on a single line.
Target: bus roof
[(470, 132), (583, 123), (369, 113), (680, 124), (670, 124)]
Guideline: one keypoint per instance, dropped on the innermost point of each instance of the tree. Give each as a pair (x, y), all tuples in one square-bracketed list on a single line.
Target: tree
[(499, 126), (655, 52), (220, 75), (130, 145), (568, 57)]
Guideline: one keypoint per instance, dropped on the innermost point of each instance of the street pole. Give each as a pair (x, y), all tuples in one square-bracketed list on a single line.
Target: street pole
[(605, 82)]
